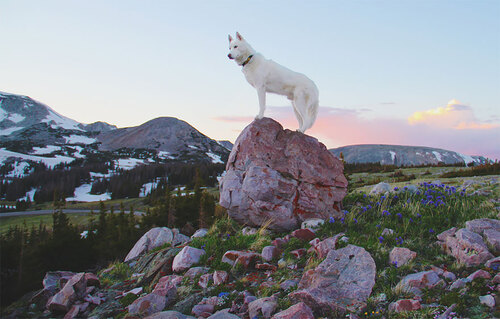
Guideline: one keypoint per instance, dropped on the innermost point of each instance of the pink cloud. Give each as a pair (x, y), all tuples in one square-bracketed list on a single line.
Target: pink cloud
[(234, 119), (338, 127)]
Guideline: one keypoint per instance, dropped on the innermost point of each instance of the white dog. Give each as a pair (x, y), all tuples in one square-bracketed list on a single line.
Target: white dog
[(268, 76)]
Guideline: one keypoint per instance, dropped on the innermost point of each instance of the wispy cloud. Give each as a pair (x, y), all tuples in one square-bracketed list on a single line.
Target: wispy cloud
[(338, 127), (454, 115)]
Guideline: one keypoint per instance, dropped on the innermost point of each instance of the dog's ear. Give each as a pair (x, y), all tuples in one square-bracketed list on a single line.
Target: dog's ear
[(230, 38), (238, 35)]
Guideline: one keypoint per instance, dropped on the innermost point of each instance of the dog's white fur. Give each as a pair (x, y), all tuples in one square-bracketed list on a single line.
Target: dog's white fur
[(268, 76)]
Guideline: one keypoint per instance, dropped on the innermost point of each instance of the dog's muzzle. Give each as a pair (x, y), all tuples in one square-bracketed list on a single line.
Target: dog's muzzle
[(229, 56)]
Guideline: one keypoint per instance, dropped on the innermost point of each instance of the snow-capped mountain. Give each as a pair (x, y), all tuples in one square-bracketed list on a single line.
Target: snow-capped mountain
[(32, 132), (401, 155)]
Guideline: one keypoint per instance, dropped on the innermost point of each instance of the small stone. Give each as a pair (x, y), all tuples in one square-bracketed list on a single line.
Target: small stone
[(387, 232), (198, 310), (167, 287), (303, 234), (155, 237), (297, 311), (205, 280), (288, 284), (404, 305), (487, 300), (279, 243), (381, 188), (202, 232), (312, 223), (269, 253), (245, 258), (196, 271), (298, 253), (424, 279), (401, 256), (73, 312), (324, 247), (266, 266), (493, 263), (264, 307), (478, 274), (220, 277), (147, 305), (187, 257), (458, 284)]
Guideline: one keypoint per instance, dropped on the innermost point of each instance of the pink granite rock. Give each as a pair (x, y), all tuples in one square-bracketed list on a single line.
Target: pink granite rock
[(297, 311), (282, 176), (73, 312), (246, 259), (401, 256), (269, 253), (404, 305), (263, 307), (303, 234), (424, 279), (147, 305), (167, 287), (220, 277), (187, 257), (492, 238), (155, 237), (204, 310), (480, 225), (478, 274), (342, 282), (297, 253), (324, 247), (74, 289), (468, 248), (205, 280)]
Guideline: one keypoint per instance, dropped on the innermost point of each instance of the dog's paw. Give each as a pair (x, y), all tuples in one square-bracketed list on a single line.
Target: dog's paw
[(259, 117), (299, 131)]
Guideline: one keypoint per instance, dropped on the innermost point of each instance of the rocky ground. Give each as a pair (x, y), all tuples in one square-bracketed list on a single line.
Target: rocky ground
[(420, 251)]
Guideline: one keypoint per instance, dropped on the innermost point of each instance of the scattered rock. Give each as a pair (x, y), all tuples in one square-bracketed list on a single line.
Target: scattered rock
[(487, 300), (155, 237), (493, 263), (380, 188), (282, 176), (480, 225), (303, 234), (324, 247), (202, 232), (204, 310), (187, 257), (169, 315), (205, 280), (249, 231), (266, 266), (269, 253), (458, 284), (196, 271), (404, 305), (312, 223), (264, 307), (479, 274), (74, 289), (179, 238), (424, 279), (288, 284), (387, 232), (73, 312), (467, 247), (223, 314), (220, 277), (342, 282), (297, 253), (159, 266), (246, 259), (167, 287), (401, 256), (297, 311), (147, 305), (492, 238)]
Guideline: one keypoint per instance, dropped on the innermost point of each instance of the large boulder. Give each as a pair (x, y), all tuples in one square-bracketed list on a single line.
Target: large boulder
[(467, 247), (341, 283), (281, 176), (187, 257), (155, 237), (73, 290)]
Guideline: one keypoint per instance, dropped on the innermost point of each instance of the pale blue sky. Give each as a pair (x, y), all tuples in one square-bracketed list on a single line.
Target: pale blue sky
[(126, 62)]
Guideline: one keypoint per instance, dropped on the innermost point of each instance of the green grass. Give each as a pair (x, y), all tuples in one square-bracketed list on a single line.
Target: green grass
[(35, 220)]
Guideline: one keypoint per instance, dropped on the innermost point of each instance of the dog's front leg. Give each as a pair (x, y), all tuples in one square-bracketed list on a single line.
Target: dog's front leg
[(262, 102)]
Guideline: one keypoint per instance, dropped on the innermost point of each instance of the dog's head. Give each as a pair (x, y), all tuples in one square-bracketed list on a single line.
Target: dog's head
[(239, 49)]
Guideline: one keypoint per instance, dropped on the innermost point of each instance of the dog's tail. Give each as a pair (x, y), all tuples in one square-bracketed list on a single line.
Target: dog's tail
[(311, 112)]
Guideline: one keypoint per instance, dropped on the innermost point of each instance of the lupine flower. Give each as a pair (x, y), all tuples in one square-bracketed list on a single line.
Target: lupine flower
[(342, 220), (355, 221), (223, 294), (431, 230), (399, 215), (381, 239), (395, 263), (203, 247), (396, 188), (378, 226), (331, 220)]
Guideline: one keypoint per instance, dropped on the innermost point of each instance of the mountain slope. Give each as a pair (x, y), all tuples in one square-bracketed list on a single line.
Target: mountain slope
[(401, 155)]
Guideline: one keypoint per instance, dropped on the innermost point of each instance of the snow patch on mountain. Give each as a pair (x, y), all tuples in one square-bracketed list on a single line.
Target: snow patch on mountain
[(56, 120), (128, 163), (49, 161), (438, 155), (467, 158), (216, 159), (82, 194), (45, 150), (79, 139), (393, 155), (10, 130)]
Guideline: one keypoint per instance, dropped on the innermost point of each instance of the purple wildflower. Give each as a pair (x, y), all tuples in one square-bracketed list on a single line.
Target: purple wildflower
[(331, 220), (381, 239)]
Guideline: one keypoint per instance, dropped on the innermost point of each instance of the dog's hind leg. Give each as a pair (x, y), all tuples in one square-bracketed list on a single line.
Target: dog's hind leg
[(298, 116), (261, 92), (300, 107)]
